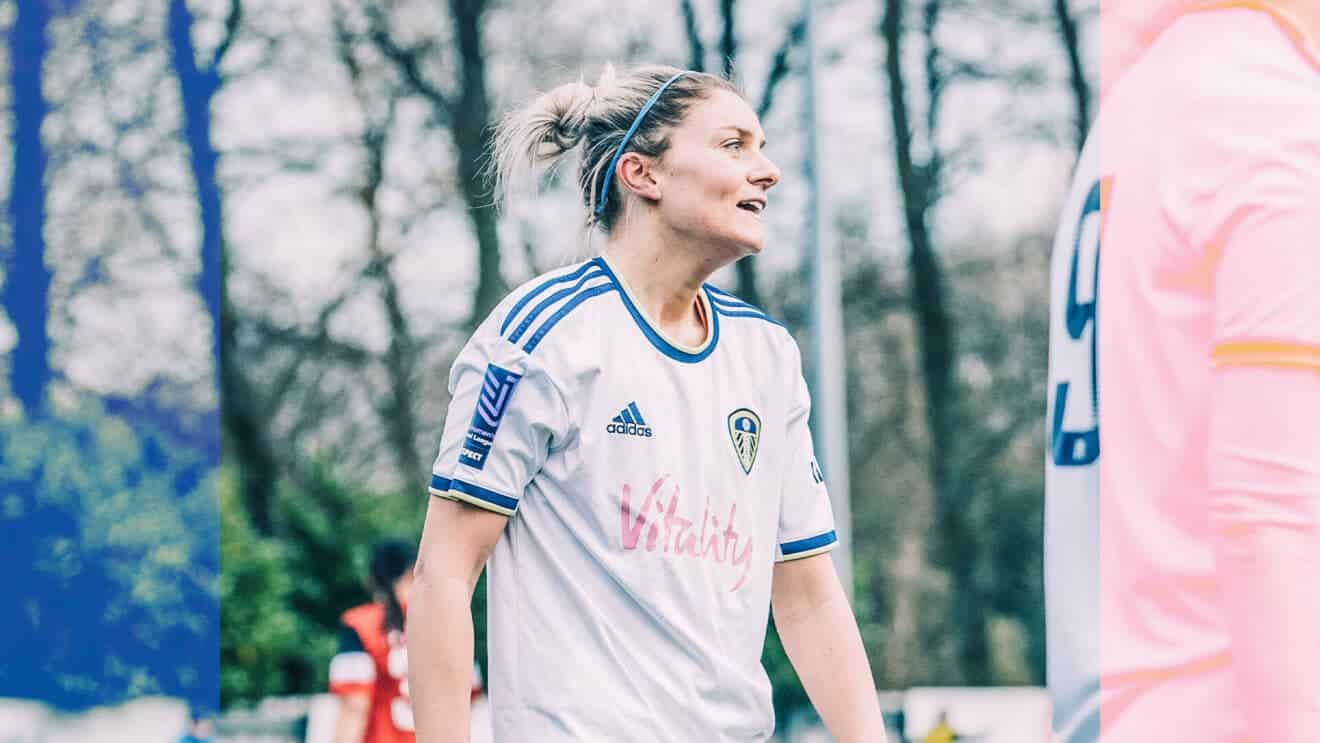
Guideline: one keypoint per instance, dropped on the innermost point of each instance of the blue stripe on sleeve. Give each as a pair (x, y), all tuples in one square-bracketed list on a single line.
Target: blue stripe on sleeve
[(562, 312), (541, 288), (439, 484), (757, 315), (480, 493), (550, 300), (728, 305), (723, 294), (810, 543)]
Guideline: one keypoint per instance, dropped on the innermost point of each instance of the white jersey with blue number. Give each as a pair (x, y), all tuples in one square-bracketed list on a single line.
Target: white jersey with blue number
[(650, 489), (1072, 469)]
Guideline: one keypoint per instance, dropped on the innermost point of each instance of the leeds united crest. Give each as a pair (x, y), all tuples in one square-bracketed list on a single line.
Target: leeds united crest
[(745, 432)]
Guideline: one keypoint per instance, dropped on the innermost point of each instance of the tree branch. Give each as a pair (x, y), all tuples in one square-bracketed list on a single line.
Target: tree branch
[(408, 61), (934, 75), (728, 39), (1081, 88), (696, 50), (779, 65), (232, 22), (320, 345)]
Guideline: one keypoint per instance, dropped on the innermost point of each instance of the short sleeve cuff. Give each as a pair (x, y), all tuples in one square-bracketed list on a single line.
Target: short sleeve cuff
[(800, 548), (475, 495), (352, 673)]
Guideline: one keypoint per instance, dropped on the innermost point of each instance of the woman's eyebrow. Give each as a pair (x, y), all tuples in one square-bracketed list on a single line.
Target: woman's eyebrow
[(747, 133)]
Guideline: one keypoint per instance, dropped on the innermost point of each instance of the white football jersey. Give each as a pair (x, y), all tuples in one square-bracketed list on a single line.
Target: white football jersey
[(651, 488), (1072, 463)]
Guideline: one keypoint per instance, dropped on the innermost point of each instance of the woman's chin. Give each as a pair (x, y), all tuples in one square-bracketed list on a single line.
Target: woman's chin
[(751, 244)]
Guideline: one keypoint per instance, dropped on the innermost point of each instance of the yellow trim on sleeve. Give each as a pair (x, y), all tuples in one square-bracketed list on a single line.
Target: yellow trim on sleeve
[(458, 497), (808, 553), (1277, 354), (455, 495)]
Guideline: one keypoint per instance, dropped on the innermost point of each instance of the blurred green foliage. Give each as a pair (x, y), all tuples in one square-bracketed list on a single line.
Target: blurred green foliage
[(118, 523), (283, 594)]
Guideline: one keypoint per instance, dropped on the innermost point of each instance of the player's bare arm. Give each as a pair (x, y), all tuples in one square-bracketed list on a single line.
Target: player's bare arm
[(819, 632), (456, 540), (352, 723)]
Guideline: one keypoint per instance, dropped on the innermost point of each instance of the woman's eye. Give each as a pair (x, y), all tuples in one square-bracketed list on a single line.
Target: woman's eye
[(733, 144)]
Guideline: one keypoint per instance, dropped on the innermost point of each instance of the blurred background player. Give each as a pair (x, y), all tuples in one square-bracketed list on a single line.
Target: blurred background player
[(1183, 534), (199, 728), (629, 446), (369, 672)]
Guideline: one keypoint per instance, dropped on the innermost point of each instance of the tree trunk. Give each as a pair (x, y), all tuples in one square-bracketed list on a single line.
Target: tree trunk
[(696, 49), (1081, 89), (728, 39), (26, 292), (399, 410), (242, 414), (953, 548), (470, 127)]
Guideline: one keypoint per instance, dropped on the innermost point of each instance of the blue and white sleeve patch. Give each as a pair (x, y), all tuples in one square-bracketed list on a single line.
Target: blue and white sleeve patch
[(492, 403), (800, 548)]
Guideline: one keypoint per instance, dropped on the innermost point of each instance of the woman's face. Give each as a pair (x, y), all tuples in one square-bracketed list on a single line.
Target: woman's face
[(714, 177)]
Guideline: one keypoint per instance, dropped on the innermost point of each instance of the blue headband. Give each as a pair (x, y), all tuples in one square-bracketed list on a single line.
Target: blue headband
[(609, 173)]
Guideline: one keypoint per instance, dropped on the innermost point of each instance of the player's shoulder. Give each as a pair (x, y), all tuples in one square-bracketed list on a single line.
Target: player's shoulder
[(1222, 110), (1238, 63), (741, 316), (536, 312), (753, 329)]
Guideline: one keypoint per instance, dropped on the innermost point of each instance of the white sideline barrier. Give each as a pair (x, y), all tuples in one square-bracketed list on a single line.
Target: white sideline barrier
[(146, 720), (980, 715), (323, 710)]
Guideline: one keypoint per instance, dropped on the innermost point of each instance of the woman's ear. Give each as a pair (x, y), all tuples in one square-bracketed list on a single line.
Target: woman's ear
[(637, 174)]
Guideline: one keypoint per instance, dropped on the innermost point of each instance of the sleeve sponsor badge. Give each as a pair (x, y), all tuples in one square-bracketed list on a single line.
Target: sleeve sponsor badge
[(492, 403)]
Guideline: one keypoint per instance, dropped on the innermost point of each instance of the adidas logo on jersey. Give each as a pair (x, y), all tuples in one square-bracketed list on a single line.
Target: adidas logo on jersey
[(629, 422)]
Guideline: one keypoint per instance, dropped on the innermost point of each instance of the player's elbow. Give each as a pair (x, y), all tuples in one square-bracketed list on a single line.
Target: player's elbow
[(440, 580)]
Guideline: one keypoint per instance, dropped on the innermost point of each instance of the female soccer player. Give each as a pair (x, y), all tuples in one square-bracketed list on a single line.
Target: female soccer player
[(628, 445), (369, 672)]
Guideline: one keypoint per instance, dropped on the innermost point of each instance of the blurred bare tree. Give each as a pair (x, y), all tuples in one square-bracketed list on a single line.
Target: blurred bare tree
[(398, 409), (1069, 29), (962, 439), (462, 108), (25, 294)]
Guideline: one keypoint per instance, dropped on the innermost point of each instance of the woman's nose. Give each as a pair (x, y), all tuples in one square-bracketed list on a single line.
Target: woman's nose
[(766, 174)]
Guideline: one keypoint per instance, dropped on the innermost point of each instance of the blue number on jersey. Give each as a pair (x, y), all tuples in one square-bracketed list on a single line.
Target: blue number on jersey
[(1080, 448)]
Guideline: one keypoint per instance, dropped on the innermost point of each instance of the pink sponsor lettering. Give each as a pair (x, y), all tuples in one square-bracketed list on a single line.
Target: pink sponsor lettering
[(655, 525)]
